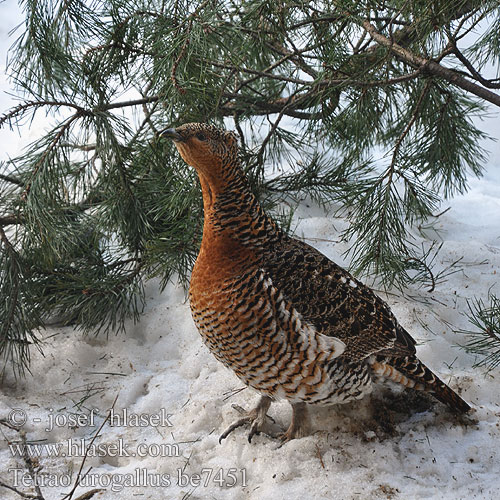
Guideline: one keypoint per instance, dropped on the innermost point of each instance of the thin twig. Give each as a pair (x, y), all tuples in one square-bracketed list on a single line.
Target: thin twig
[(20, 493), (441, 213), (79, 475), (272, 131), (89, 494), (318, 453), (12, 180), (474, 73), (30, 465), (428, 269)]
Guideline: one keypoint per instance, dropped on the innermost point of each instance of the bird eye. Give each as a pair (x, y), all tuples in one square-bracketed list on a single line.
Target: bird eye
[(201, 136)]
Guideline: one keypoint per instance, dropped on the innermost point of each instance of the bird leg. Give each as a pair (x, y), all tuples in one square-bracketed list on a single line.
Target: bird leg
[(256, 418), (299, 426)]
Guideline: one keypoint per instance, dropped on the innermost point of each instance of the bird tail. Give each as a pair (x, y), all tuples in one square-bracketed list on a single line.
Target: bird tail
[(411, 372)]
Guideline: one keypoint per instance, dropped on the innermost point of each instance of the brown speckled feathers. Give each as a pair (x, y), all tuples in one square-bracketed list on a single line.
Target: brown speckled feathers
[(289, 322)]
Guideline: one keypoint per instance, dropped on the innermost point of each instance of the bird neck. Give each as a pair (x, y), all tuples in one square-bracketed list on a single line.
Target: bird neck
[(232, 214)]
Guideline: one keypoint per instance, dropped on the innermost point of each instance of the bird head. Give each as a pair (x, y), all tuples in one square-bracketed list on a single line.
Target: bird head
[(210, 150)]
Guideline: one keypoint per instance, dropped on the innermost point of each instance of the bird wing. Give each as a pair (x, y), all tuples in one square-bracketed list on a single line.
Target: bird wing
[(259, 311), (334, 302)]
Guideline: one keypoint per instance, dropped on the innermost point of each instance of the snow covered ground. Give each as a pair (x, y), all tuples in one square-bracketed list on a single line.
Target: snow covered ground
[(387, 446), (379, 448)]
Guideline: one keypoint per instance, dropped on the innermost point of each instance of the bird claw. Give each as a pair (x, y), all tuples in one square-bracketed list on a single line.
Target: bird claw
[(256, 418), (286, 436), (238, 423)]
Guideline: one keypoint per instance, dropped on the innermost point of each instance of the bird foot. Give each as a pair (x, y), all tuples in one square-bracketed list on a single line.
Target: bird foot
[(256, 418), (299, 426)]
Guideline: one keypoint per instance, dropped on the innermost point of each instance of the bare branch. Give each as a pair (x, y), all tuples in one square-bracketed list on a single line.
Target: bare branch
[(474, 73), (20, 493), (125, 104), (79, 475)]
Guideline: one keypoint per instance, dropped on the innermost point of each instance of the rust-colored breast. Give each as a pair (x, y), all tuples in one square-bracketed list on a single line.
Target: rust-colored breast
[(251, 327)]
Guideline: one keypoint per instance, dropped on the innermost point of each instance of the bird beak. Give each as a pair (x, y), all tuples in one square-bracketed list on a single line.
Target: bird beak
[(171, 133)]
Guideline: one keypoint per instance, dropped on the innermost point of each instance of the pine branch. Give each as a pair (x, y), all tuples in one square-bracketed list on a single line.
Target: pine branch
[(10, 220), (474, 73), (485, 338), (53, 144), (12, 180), (19, 316), (14, 298), (430, 66), (22, 108), (389, 176)]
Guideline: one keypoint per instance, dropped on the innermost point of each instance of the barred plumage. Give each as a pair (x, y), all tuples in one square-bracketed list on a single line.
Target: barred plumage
[(289, 322)]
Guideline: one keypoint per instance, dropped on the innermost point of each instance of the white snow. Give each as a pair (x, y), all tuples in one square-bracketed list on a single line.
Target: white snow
[(159, 369), (160, 364)]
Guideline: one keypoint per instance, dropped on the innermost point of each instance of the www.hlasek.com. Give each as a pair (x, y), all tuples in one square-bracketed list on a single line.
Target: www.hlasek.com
[(224, 478), (81, 447)]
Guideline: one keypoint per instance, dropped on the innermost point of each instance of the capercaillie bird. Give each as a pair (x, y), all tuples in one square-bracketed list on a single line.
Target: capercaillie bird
[(287, 320)]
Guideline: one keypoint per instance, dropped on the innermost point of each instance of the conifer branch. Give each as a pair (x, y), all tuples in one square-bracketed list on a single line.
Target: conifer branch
[(484, 340), (10, 311), (430, 66), (12, 180), (64, 127), (474, 73), (10, 220), (127, 104), (405, 132), (21, 108), (266, 73), (173, 73)]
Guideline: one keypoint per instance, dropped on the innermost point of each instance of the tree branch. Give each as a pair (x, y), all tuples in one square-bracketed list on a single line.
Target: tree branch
[(405, 132), (430, 66), (14, 293), (79, 475), (474, 73), (125, 104), (20, 493), (51, 146), (13, 180), (35, 104), (10, 220), (264, 73)]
